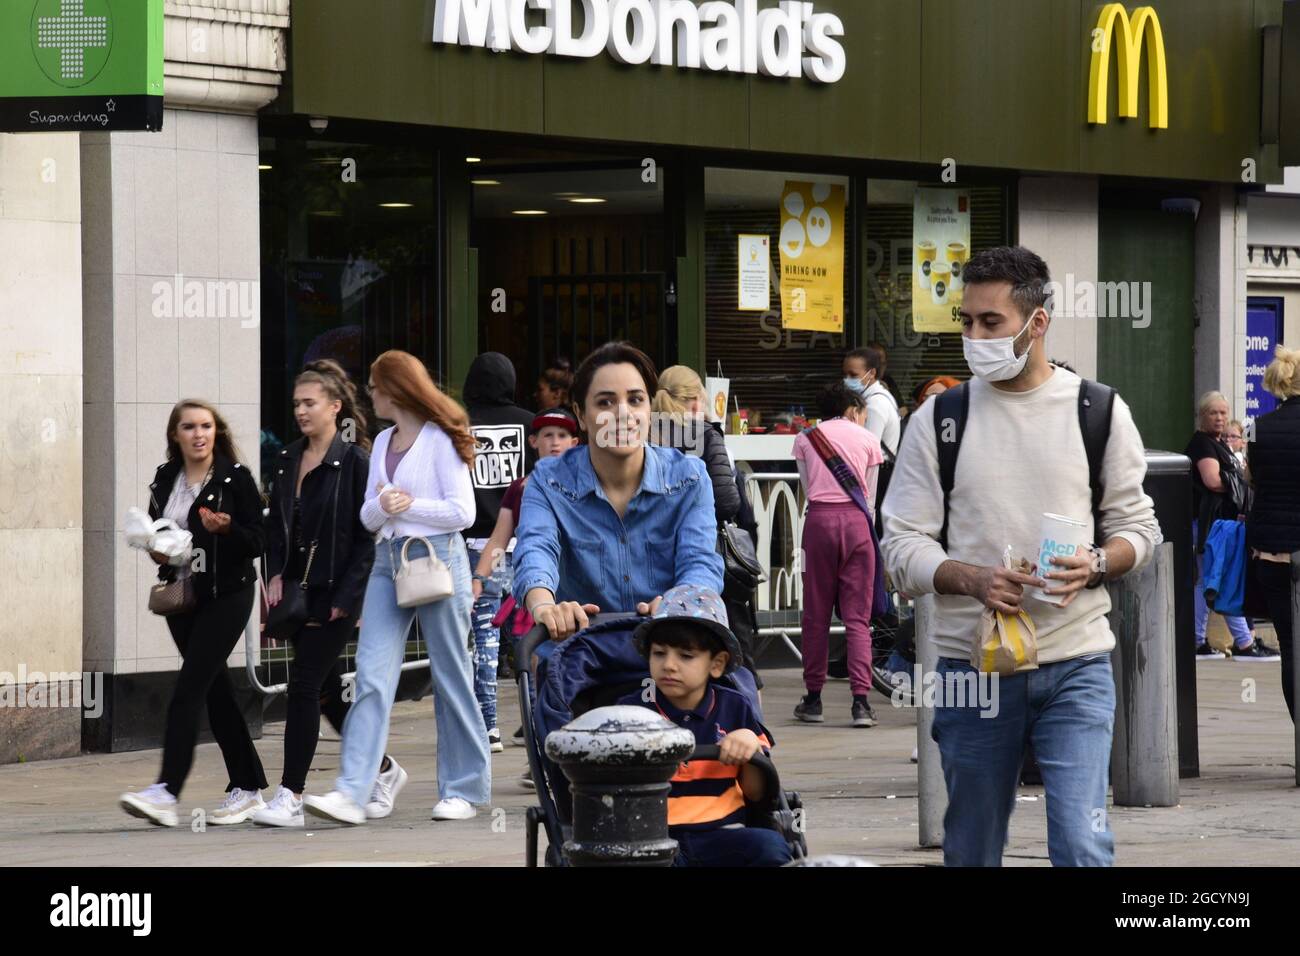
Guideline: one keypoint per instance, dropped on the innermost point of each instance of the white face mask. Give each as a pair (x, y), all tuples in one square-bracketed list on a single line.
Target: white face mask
[(995, 360)]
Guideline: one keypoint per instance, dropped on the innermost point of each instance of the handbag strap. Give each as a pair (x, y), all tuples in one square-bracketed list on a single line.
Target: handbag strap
[(407, 544), (839, 468)]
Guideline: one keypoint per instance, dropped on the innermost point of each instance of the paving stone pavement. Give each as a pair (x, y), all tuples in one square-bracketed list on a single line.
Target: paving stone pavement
[(858, 786)]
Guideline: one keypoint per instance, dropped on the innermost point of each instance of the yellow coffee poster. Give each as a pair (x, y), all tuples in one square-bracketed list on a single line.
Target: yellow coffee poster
[(940, 250), (812, 257)]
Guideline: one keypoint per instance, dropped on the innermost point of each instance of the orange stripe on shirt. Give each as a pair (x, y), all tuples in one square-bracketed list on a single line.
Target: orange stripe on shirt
[(684, 811)]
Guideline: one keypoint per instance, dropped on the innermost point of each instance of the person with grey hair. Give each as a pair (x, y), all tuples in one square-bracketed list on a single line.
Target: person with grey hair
[(1218, 494)]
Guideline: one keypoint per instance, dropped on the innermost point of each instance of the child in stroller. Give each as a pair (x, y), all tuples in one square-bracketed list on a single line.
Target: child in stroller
[(717, 815)]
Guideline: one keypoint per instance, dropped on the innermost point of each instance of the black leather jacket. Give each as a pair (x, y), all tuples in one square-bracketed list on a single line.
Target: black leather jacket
[(226, 563), (1274, 520), (332, 495)]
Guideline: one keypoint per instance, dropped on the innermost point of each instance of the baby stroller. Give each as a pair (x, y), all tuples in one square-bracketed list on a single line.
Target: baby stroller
[(594, 668)]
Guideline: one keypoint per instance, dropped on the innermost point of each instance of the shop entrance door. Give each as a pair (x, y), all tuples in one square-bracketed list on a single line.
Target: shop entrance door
[(1145, 318), (569, 256)]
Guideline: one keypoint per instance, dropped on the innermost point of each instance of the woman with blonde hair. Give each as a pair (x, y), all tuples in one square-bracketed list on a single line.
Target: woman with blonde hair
[(419, 497), (205, 488), (1273, 525)]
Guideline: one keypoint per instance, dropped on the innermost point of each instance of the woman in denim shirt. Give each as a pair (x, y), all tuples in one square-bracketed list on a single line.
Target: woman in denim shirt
[(611, 525)]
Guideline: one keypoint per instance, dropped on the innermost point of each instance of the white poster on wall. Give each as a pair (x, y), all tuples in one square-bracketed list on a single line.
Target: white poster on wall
[(754, 269)]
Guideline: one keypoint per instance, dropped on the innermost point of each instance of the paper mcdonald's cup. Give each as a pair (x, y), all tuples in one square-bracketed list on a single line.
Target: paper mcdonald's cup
[(940, 282), (958, 254), (926, 252), (1058, 537)]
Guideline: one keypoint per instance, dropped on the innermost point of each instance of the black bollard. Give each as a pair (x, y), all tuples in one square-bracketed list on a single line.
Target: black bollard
[(619, 761)]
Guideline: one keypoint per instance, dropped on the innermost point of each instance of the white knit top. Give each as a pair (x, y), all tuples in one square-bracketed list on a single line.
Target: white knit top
[(433, 474)]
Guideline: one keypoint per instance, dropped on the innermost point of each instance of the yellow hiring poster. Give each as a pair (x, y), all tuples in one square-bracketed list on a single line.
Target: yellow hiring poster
[(940, 250), (812, 257)]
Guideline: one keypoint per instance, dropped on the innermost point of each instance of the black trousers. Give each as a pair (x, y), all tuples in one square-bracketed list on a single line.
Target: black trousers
[(205, 637), (315, 688), (1274, 582)]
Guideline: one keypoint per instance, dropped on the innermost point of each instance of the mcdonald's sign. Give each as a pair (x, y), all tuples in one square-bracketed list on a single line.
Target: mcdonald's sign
[(1144, 24)]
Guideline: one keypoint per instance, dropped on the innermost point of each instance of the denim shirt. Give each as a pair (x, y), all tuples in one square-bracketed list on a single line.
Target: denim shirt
[(571, 541)]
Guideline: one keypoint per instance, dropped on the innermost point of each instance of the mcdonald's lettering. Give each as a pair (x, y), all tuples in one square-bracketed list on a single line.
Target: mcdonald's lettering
[(1144, 24)]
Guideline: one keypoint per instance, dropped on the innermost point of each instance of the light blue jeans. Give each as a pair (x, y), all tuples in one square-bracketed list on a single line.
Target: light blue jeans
[(487, 638), (1067, 710), (464, 769)]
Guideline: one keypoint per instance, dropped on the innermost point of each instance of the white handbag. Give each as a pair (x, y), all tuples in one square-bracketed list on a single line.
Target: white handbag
[(423, 580)]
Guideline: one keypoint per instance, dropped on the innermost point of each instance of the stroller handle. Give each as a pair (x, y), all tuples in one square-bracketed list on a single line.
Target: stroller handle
[(539, 635), (771, 779)]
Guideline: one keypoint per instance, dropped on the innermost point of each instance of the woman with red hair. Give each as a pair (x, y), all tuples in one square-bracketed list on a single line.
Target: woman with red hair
[(419, 498)]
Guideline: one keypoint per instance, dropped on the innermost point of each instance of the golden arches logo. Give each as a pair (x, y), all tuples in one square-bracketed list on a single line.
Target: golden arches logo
[(1143, 25)]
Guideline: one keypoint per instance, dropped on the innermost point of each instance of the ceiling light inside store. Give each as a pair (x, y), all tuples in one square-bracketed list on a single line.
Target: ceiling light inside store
[(485, 182), (587, 201), (473, 159), (530, 212), (395, 205), (263, 166)]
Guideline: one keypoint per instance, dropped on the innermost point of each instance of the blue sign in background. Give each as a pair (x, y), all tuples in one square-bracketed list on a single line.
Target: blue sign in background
[(1263, 329)]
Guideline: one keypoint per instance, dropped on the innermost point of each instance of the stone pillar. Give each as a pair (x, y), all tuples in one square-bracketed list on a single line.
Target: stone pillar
[(40, 447), (1058, 220), (172, 306)]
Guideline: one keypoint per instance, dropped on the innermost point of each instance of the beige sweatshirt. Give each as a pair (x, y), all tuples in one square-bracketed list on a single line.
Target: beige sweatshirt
[(1021, 455)]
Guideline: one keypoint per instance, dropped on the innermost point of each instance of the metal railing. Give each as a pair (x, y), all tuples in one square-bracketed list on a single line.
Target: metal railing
[(254, 652)]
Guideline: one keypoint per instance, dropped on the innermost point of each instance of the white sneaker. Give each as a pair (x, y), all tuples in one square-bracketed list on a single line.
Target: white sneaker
[(154, 803), (454, 808), (494, 741), (335, 805), (384, 794), (238, 806), (284, 810)]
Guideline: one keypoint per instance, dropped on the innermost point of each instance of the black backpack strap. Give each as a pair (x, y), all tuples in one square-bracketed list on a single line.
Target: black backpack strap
[(951, 406), (1096, 402)]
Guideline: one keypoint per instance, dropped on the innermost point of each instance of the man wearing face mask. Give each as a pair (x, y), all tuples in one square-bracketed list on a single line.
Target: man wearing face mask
[(863, 370), (1021, 454)]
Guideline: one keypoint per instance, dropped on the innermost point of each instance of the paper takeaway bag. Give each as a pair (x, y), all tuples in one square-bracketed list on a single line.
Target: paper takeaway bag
[(1004, 644), (718, 390)]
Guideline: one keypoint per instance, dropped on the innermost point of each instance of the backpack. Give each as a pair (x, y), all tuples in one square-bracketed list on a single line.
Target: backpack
[(1096, 401)]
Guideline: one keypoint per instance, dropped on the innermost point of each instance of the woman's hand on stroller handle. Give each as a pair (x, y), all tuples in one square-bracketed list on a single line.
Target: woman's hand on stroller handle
[(565, 619), (648, 608)]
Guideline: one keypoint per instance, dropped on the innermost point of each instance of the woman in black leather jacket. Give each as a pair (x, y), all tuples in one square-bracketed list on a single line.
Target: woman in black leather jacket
[(1273, 525), (208, 491), (315, 538)]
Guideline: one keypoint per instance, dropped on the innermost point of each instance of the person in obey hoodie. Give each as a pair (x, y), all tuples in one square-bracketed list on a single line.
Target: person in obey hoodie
[(501, 454)]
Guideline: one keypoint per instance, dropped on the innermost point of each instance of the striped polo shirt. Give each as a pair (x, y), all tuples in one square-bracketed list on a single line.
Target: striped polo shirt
[(706, 794)]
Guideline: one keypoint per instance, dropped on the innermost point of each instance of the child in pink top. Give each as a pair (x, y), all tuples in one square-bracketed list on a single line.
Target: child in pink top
[(839, 556)]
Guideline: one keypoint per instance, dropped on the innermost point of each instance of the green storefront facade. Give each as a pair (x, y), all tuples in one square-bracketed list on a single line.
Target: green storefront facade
[(992, 96)]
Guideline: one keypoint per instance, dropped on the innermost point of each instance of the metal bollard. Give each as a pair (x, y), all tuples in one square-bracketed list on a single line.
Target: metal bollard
[(931, 792), (619, 761), (1144, 753), (1295, 662)]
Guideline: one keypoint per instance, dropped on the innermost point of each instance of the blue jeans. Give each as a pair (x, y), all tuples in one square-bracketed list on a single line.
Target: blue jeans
[(1067, 710), (463, 766), (487, 639), (731, 846)]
